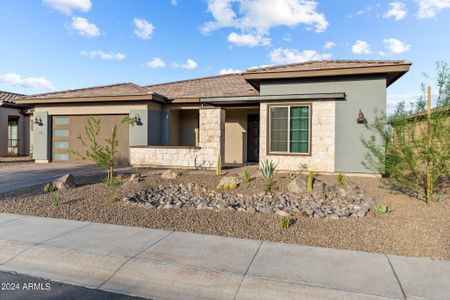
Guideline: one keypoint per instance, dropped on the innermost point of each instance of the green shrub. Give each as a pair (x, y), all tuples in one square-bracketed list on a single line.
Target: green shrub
[(268, 168), (138, 175), (380, 209), (219, 187), (115, 182), (310, 181), (226, 186), (245, 175), (48, 188), (340, 179), (56, 200), (291, 175), (269, 185), (285, 222), (303, 167)]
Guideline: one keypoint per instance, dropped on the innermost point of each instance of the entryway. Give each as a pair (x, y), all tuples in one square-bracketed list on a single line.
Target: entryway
[(253, 138), (13, 136)]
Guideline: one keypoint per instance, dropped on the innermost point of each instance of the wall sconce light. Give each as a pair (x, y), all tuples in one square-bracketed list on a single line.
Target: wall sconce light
[(138, 120), (38, 121), (361, 118)]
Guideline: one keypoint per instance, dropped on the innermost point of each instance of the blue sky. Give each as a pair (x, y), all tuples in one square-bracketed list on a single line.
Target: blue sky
[(63, 44)]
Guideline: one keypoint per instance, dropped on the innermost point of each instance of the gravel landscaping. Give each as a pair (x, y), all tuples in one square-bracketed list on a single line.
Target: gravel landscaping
[(411, 227)]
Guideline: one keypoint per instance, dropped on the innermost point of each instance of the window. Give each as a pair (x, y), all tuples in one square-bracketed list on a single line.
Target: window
[(61, 156), (61, 132), (61, 121), (61, 145), (290, 129)]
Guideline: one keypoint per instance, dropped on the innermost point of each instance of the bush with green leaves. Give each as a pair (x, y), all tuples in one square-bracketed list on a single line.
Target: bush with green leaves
[(56, 200), (380, 209), (102, 154), (410, 148), (285, 222), (291, 175), (116, 182), (245, 175), (48, 188), (303, 167), (340, 179), (268, 168)]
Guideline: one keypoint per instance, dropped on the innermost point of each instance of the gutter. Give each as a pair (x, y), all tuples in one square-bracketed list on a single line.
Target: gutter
[(265, 98)]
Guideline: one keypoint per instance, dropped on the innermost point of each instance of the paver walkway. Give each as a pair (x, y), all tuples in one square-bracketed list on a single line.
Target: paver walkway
[(176, 265)]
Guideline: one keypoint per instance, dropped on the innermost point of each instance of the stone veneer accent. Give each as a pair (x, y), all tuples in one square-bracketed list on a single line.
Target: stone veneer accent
[(210, 145), (322, 140)]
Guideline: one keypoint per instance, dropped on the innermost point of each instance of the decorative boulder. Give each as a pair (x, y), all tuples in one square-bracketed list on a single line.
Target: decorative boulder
[(228, 182), (65, 182), (298, 186), (169, 174)]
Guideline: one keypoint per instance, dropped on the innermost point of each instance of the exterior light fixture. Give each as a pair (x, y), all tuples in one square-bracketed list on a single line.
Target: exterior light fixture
[(361, 118), (38, 121)]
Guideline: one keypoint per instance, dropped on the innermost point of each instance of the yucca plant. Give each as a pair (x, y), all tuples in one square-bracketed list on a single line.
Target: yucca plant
[(380, 209), (268, 168), (245, 175)]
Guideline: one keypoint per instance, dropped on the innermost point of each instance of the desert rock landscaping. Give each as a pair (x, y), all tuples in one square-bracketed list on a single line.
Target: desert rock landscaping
[(333, 215)]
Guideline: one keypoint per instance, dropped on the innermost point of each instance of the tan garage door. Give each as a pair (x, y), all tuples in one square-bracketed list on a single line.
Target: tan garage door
[(66, 129)]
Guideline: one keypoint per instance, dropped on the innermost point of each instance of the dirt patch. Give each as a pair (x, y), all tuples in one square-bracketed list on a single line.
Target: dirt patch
[(411, 229)]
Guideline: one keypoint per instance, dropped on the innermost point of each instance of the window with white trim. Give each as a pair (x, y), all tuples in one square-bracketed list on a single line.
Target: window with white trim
[(289, 129)]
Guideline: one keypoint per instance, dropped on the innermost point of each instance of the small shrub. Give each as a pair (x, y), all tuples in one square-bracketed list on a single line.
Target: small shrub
[(285, 222), (219, 166), (303, 167), (440, 198), (226, 186), (291, 175), (340, 179), (56, 200), (310, 181), (115, 182), (232, 185), (268, 168), (138, 175), (269, 185), (48, 188), (245, 175), (380, 209), (219, 187)]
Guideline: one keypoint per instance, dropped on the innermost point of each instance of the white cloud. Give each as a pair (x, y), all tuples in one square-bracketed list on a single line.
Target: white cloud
[(257, 17), (395, 46), (430, 8), (67, 6), (381, 53), (248, 39), (84, 28), (361, 47), (329, 45), (143, 29), (15, 79), (155, 63), (289, 56), (229, 71), (189, 65), (173, 2), (397, 11), (104, 55)]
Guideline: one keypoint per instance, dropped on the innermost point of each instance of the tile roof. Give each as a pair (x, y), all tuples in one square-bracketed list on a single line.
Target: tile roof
[(7, 97), (215, 86), (119, 89), (328, 65)]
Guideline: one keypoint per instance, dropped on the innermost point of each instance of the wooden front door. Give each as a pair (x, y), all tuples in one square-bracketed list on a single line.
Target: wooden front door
[(253, 138)]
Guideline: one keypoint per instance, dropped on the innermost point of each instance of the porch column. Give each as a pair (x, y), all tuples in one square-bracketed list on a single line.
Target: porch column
[(212, 135), (42, 137)]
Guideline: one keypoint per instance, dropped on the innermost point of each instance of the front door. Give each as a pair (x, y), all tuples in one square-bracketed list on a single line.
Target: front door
[(253, 138)]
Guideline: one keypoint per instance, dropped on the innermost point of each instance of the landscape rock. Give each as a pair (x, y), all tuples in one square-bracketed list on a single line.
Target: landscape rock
[(65, 182), (325, 202), (169, 174), (228, 180)]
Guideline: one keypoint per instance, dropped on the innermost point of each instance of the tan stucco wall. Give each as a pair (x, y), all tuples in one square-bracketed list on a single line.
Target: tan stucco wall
[(211, 141), (23, 131), (236, 134), (322, 140)]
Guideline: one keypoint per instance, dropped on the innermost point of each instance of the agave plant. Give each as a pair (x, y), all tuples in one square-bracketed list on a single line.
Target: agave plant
[(268, 168)]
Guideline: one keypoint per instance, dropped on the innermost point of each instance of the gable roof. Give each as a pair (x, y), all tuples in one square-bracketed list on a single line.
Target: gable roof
[(214, 86), (7, 97), (112, 90)]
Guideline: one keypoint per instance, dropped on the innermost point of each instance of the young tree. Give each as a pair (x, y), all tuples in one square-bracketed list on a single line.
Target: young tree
[(412, 148), (102, 154)]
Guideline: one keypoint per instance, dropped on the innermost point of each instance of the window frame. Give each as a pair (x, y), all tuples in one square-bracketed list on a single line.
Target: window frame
[(269, 129)]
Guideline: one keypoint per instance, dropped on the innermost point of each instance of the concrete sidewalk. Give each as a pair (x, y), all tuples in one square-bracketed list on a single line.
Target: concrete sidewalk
[(162, 264)]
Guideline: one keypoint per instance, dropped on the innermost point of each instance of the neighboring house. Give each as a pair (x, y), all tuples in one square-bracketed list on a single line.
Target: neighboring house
[(304, 113), (14, 126)]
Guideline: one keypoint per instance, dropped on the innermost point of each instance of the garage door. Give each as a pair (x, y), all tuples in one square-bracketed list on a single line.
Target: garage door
[(66, 129)]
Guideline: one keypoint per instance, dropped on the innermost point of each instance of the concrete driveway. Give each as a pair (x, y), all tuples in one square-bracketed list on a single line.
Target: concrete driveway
[(15, 176)]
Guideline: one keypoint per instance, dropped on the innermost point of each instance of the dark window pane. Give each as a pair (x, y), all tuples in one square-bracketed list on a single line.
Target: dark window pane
[(299, 132), (279, 129)]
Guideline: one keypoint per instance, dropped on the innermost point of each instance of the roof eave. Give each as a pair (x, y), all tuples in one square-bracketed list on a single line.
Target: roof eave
[(150, 97)]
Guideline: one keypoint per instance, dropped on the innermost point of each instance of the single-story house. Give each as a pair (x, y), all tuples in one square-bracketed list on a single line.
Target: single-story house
[(14, 126), (304, 113)]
